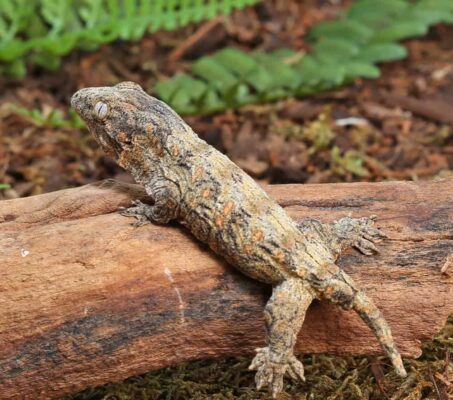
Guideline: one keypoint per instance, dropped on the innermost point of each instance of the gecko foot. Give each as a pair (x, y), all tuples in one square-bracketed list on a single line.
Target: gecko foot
[(138, 210), (367, 235), (362, 233), (271, 369)]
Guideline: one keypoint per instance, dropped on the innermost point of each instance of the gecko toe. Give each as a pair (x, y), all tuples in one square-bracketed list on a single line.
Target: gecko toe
[(366, 246), (138, 210), (271, 373), (296, 369)]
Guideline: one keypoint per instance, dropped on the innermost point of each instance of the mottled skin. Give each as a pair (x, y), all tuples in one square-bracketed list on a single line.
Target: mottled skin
[(193, 183)]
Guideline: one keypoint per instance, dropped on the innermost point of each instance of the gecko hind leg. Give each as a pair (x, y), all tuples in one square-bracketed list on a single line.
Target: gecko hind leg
[(284, 315)]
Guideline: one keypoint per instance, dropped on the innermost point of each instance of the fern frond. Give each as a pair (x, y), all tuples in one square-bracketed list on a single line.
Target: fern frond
[(45, 30), (343, 50)]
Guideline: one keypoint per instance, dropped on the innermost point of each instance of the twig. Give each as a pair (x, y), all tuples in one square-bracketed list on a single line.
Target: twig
[(204, 29)]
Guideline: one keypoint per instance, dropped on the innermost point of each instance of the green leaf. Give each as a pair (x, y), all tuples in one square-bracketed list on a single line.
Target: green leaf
[(378, 52), (349, 30), (331, 76), (245, 67), (49, 61), (16, 68), (356, 69), (350, 162), (11, 51), (279, 74), (212, 102), (183, 101), (433, 11), (428, 17), (377, 15), (58, 46), (53, 118), (165, 89), (215, 73), (438, 5), (183, 92), (307, 69), (400, 30), (5, 186), (194, 87), (334, 50)]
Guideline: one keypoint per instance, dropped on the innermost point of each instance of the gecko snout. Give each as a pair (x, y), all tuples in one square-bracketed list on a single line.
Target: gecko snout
[(79, 102)]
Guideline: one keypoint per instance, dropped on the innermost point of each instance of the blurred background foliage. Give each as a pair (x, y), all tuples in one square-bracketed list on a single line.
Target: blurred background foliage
[(342, 50), (43, 31)]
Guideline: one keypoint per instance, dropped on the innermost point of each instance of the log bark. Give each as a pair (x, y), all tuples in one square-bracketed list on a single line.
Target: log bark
[(86, 298)]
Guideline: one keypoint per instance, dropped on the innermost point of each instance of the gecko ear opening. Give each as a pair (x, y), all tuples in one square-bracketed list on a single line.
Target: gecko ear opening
[(129, 85)]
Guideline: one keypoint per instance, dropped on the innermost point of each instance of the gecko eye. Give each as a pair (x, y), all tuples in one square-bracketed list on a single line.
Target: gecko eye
[(101, 109)]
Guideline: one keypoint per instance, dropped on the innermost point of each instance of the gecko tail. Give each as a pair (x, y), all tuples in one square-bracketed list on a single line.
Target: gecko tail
[(365, 307)]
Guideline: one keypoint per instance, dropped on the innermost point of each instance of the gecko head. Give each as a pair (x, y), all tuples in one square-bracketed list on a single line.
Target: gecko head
[(125, 120)]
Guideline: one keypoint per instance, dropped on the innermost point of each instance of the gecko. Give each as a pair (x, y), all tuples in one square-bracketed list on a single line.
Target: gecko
[(196, 185)]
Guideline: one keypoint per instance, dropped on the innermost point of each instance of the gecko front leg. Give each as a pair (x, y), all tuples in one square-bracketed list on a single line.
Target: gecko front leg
[(337, 236), (284, 315), (166, 196)]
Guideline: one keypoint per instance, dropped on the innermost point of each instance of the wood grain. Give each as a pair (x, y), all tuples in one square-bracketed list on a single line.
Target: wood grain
[(86, 298)]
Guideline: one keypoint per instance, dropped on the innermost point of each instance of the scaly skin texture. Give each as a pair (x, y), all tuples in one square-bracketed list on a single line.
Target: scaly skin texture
[(221, 205)]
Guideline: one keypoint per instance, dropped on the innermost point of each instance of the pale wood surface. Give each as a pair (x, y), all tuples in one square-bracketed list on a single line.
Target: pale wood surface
[(86, 298)]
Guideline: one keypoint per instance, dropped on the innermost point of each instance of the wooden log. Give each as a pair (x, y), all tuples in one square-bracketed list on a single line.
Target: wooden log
[(86, 298)]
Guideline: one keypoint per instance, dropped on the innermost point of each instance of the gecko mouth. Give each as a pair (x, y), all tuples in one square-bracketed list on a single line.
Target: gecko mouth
[(110, 146)]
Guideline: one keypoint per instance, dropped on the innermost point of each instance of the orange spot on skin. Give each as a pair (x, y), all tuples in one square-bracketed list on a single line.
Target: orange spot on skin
[(329, 290), (149, 129), (175, 151), (258, 236), (228, 207), (248, 249), (205, 193), (122, 136), (138, 139), (280, 256), (198, 172), (302, 273), (150, 142), (219, 222)]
